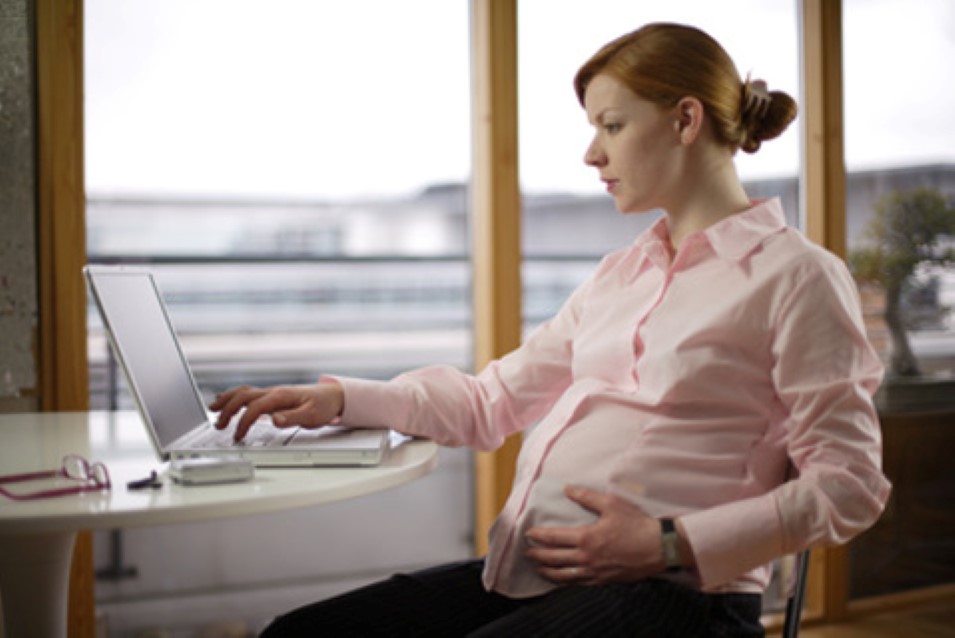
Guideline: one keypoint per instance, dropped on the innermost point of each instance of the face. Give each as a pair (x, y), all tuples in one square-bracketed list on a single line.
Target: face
[(635, 146)]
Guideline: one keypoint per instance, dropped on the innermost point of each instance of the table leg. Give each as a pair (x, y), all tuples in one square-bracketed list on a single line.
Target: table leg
[(34, 583)]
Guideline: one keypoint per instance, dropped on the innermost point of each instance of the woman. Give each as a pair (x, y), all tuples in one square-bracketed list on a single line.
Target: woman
[(670, 394)]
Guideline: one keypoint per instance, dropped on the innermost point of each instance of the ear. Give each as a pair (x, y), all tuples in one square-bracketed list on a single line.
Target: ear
[(689, 119)]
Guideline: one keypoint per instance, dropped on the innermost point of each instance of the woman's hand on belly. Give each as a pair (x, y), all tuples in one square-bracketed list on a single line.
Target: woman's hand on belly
[(623, 545)]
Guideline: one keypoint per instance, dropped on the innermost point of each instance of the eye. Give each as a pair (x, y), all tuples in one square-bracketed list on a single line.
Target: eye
[(611, 127)]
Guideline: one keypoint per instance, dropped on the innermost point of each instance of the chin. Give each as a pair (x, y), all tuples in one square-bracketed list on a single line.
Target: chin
[(637, 209), (634, 206)]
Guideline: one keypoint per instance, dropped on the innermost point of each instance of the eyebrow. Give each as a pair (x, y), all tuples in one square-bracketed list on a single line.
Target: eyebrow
[(602, 115)]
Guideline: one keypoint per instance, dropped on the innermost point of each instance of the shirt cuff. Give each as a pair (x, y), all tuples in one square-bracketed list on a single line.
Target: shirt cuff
[(732, 539)]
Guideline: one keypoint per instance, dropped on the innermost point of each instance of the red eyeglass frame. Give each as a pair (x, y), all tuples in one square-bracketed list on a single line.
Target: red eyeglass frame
[(73, 468)]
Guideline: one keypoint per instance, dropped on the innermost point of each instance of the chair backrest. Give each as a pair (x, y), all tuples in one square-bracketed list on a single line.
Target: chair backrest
[(796, 600)]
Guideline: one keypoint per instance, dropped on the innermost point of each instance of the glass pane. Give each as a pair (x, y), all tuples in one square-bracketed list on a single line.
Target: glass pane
[(295, 174), (293, 168), (901, 225), (569, 220)]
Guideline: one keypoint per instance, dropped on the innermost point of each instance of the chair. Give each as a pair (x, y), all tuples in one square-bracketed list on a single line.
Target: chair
[(798, 595), (796, 599)]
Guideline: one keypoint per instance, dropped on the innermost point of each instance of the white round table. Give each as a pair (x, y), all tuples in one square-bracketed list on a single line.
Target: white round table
[(37, 536)]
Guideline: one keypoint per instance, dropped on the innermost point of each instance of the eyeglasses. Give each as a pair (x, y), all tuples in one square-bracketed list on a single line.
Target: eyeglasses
[(93, 477)]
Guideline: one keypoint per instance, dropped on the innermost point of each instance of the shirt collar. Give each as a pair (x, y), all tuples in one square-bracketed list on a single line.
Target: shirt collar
[(732, 238)]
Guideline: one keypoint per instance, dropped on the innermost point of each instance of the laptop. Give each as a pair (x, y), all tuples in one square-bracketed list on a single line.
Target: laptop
[(162, 384)]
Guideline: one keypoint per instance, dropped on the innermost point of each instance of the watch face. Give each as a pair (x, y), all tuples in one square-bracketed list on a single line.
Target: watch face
[(671, 546), (671, 553)]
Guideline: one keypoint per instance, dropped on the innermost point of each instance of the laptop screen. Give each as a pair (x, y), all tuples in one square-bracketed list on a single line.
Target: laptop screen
[(147, 348)]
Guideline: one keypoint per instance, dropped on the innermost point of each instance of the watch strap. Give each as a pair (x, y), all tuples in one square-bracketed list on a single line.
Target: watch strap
[(670, 542)]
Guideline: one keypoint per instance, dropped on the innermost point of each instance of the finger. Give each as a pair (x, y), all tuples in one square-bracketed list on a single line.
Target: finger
[(566, 575), (253, 410), (553, 537), (555, 558), (593, 500), (285, 419), (221, 399), (302, 416), (268, 402), (235, 400)]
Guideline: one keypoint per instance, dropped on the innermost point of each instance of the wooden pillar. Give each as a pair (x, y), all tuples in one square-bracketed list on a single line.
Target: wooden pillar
[(496, 215), (824, 170), (824, 199), (61, 232), (61, 216)]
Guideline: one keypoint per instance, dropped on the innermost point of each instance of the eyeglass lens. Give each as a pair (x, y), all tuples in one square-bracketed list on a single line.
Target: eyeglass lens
[(76, 467)]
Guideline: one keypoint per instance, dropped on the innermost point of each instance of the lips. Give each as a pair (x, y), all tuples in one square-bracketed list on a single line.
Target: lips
[(610, 184)]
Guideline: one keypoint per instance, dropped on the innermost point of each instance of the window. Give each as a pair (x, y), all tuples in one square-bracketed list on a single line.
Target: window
[(295, 174), (900, 229)]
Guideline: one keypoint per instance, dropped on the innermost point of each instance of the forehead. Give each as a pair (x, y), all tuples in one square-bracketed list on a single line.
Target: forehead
[(605, 92)]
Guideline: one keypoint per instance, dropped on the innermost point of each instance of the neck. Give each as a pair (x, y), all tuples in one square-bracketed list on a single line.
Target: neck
[(713, 192)]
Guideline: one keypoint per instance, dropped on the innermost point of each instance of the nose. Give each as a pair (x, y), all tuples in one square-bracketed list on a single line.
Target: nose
[(594, 156)]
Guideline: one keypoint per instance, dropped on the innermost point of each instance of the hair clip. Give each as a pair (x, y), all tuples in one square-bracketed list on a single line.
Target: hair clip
[(756, 98)]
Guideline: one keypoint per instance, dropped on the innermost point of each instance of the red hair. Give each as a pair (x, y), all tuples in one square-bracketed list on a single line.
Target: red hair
[(664, 63)]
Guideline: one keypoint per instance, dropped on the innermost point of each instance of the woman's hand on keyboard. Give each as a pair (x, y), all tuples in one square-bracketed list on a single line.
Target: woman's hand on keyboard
[(309, 406)]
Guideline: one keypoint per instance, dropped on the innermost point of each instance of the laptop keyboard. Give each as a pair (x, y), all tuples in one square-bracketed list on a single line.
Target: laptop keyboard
[(258, 436), (266, 436)]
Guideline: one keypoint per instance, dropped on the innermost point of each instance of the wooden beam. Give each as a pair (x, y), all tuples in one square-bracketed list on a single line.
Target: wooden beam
[(824, 170), (61, 247), (61, 216), (824, 199), (496, 211)]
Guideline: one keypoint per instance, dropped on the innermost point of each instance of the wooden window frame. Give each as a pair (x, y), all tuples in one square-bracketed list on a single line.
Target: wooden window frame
[(63, 381), (823, 210), (496, 225)]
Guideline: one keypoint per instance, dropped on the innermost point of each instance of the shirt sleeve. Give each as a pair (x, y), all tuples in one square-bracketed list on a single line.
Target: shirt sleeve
[(454, 408), (825, 374)]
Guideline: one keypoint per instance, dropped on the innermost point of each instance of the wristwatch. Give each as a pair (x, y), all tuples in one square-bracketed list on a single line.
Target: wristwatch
[(671, 545)]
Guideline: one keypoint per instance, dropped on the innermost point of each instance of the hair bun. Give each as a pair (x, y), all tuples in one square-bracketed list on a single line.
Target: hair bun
[(764, 114)]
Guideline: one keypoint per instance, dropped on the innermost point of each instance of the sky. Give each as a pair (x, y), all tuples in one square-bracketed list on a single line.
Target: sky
[(310, 99)]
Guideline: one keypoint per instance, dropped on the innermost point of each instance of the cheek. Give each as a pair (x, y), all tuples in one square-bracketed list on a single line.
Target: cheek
[(651, 154), (638, 160), (639, 149)]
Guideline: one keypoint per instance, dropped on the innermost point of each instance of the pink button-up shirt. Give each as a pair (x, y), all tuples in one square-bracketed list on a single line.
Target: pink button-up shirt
[(685, 383)]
